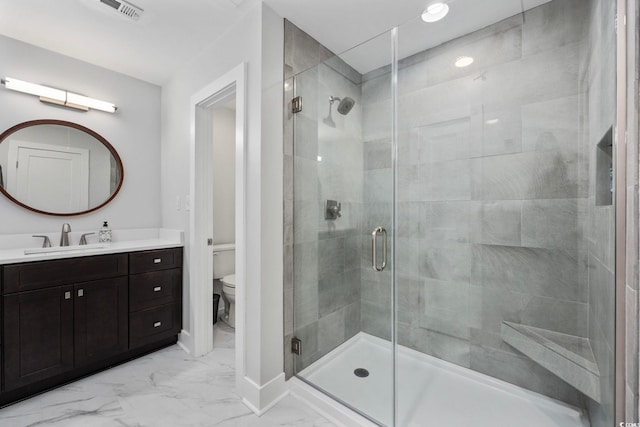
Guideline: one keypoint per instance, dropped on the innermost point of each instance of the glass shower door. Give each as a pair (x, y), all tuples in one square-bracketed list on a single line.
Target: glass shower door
[(505, 222), (343, 229)]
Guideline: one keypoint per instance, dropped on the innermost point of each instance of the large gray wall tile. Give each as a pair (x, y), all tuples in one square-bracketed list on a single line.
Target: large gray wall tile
[(498, 44), (551, 224), (530, 175), (377, 155), (440, 221), (376, 320), (550, 74), (449, 180), (490, 306), (444, 141), (408, 256), (306, 185), (552, 125), (497, 223), (445, 260), (556, 24), (501, 131), (549, 273), (306, 137)]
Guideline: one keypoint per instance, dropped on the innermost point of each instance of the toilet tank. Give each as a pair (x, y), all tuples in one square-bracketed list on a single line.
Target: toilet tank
[(224, 260)]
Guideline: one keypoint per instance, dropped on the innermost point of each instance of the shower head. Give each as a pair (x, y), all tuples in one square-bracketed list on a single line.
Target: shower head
[(345, 105)]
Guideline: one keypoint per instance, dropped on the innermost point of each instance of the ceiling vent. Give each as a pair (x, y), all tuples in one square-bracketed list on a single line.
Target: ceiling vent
[(127, 9)]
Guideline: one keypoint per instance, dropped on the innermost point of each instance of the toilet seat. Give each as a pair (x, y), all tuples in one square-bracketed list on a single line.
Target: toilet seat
[(229, 281)]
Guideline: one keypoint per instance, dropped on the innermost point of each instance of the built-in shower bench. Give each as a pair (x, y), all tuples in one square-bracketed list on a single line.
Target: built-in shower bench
[(569, 357)]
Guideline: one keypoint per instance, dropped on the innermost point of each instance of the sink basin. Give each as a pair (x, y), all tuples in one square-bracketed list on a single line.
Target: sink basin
[(64, 249)]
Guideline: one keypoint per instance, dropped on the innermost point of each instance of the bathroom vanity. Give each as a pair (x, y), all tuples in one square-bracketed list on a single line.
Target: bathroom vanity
[(67, 315), (80, 307)]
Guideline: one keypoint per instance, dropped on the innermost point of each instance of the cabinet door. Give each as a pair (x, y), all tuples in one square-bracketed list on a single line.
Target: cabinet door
[(101, 319), (38, 335)]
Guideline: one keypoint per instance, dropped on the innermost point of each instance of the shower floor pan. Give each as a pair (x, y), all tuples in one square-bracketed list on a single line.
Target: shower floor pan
[(431, 392)]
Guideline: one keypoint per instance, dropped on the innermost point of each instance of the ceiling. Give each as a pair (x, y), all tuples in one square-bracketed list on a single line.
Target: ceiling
[(171, 32)]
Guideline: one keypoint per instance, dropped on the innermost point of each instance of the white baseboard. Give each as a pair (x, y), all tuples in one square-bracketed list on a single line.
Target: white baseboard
[(185, 341), (326, 406), (262, 398)]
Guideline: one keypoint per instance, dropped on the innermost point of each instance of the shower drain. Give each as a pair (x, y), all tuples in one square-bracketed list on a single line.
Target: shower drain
[(361, 372)]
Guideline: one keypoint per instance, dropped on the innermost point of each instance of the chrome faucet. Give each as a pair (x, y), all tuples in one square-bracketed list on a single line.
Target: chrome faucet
[(64, 236), (83, 238)]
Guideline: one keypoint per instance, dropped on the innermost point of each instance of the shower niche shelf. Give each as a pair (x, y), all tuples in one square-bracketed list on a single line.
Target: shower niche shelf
[(568, 357)]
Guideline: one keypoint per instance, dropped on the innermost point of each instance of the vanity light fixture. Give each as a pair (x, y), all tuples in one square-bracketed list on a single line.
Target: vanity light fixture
[(58, 96), (435, 12)]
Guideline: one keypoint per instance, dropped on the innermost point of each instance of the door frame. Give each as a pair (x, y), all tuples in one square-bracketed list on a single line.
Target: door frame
[(200, 268)]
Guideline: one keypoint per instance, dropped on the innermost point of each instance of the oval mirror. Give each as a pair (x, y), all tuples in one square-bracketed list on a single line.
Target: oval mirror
[(59, 168)]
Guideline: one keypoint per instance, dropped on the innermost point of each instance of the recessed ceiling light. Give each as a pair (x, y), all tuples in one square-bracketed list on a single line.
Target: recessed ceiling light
[(435, 12), (463, 61), (492, 121)]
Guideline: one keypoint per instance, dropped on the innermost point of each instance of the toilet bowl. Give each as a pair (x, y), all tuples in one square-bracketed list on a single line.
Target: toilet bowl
[(224, 271), (229, 298)]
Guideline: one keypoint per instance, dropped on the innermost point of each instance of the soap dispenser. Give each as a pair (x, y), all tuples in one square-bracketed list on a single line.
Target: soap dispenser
[(104, 235)]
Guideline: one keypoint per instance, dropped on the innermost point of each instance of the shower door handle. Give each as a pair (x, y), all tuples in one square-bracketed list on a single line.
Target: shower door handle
[(374, 255)]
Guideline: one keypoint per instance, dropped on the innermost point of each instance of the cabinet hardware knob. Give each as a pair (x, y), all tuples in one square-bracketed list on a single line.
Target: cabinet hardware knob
[(67, 295), (157, 260), (155, 325), (157, 289), (80, 292)]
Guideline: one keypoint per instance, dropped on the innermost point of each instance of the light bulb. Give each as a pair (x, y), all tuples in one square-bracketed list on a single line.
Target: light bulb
[(435, 12)]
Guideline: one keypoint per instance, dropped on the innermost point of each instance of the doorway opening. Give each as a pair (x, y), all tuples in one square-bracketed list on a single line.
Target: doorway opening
[(225, 93)]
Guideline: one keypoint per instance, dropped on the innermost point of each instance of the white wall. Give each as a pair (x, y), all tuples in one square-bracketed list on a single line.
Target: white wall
[(241, 44), (224, 172), (271, 192), (256, 40), (134, 131)]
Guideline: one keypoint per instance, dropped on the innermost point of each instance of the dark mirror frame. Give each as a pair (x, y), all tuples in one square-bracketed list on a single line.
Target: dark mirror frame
[(92, 133)]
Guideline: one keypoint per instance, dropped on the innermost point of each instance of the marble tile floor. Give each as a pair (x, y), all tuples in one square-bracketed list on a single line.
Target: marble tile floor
[(167, 388)]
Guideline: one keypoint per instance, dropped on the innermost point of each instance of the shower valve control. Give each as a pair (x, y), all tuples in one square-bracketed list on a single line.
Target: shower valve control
[(332, 209)]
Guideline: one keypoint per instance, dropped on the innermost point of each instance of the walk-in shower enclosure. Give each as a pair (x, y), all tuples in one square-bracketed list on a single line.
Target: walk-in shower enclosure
[(480, 159)]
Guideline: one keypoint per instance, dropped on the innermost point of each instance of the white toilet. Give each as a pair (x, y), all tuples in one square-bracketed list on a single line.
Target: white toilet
[(224, 262), (229, 297)]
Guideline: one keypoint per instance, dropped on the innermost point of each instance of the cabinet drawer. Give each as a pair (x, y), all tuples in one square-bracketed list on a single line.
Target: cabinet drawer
[(47, 274), (153, 324), (163, 259), (153, 289)]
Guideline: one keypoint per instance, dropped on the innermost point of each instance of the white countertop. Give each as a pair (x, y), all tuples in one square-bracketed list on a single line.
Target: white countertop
[(123, 241)]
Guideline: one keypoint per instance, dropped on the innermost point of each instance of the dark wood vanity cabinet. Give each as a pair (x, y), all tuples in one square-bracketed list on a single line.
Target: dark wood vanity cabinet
[(101, 327), (155, 296), (61, 322), (38, 335)]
